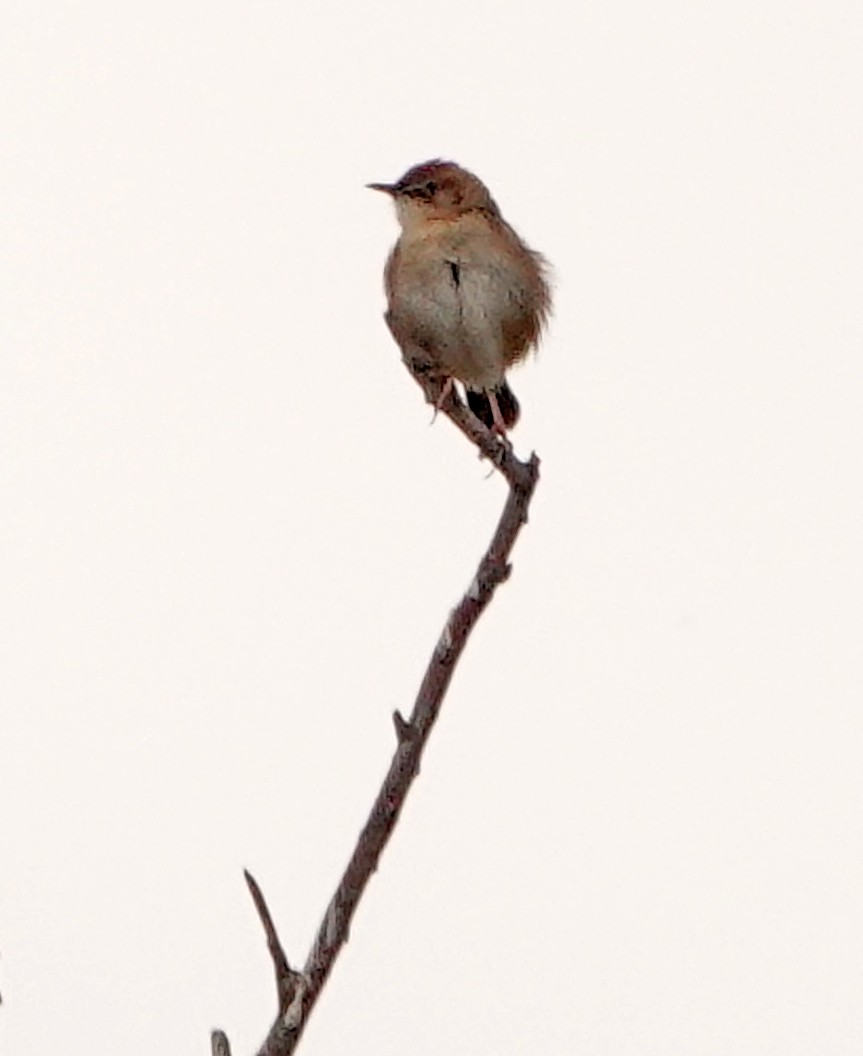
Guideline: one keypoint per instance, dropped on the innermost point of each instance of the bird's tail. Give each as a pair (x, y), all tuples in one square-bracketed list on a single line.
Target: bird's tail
[(507, 404)]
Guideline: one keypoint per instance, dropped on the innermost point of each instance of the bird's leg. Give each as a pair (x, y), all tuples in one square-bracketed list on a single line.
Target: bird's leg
[(441, 400), (499, 426), (447, 389)]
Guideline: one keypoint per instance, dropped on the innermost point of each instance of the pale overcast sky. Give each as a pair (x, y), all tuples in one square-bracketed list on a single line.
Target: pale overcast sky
[(230, 536)]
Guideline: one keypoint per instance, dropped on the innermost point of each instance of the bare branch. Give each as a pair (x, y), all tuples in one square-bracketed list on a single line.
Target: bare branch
[(299, 991)]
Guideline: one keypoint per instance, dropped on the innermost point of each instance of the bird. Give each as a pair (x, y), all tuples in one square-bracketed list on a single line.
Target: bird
[(466, 297)]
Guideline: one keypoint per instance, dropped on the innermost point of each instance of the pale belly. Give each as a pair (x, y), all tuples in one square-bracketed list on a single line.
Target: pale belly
[(458, 316)]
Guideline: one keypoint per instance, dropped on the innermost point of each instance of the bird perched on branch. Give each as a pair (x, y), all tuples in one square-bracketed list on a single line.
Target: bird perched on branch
[(466, 297)]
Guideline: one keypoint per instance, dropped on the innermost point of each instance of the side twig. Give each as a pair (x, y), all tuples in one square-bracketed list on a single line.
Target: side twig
[(299, 991)]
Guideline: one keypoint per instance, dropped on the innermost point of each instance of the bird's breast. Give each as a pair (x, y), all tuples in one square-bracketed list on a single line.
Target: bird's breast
[(461, 294)]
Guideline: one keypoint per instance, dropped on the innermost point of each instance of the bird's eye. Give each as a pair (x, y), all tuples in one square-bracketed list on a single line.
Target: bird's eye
[(426, 191)]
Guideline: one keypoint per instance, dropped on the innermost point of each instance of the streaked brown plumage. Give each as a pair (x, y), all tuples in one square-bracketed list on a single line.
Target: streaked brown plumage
[(466, 297)]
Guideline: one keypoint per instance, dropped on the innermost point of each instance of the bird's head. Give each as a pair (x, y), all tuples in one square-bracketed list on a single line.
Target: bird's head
[(437, 190)]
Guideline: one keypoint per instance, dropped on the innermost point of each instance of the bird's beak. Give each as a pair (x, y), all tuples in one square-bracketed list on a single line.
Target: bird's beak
[(387, 188)]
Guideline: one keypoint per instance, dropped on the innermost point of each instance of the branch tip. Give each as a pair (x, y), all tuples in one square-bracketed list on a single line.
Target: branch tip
[(286, 977), (404, 730), (219, 1044)]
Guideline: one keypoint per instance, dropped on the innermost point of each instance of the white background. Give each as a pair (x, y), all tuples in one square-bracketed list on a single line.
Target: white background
[(229, 536)]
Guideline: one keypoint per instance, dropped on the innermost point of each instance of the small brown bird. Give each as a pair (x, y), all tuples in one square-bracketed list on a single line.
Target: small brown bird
[(467, 298)]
